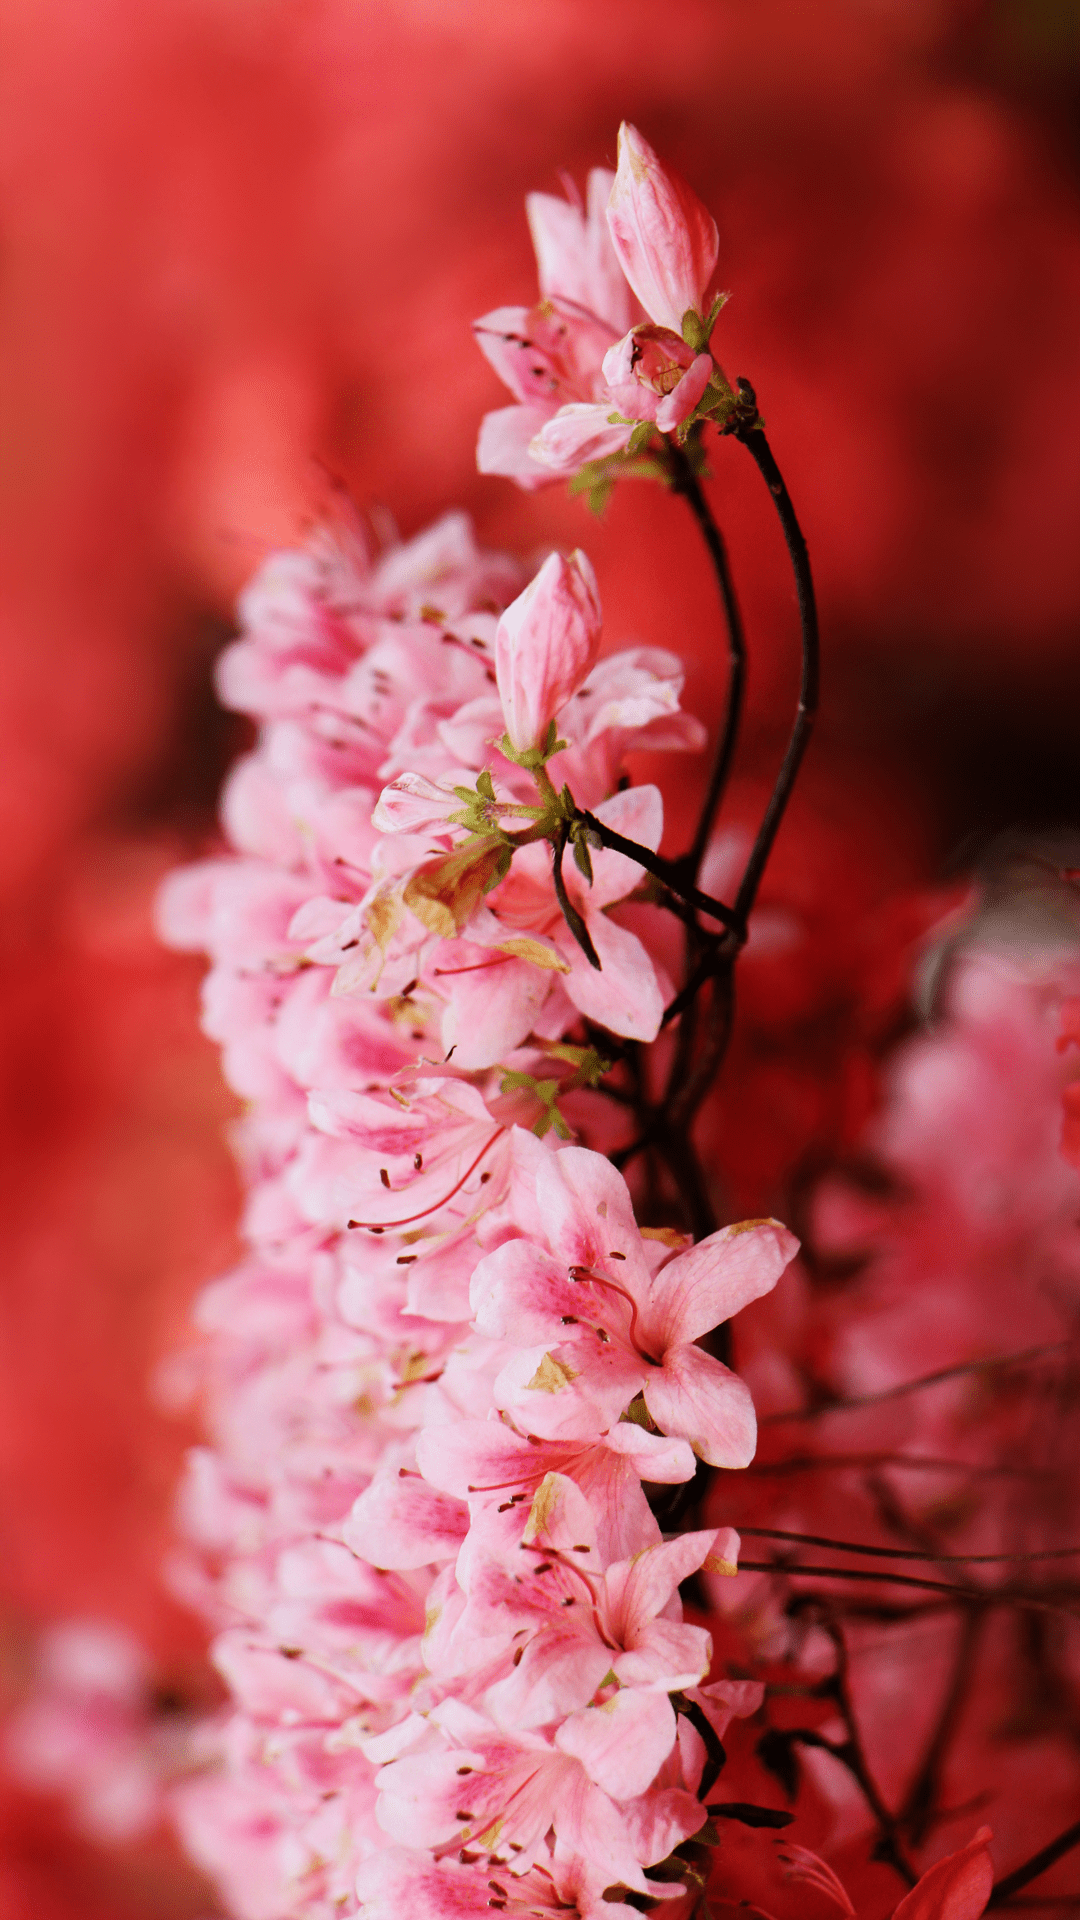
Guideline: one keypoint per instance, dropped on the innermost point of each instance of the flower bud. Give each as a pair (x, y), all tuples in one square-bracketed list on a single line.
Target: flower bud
[(666, 240), (653, 375), (546, 643)]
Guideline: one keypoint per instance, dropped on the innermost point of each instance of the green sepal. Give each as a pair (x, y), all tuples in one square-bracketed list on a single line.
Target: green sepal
[(697, 332), (546, 1091), (532, 757), (582, 859)]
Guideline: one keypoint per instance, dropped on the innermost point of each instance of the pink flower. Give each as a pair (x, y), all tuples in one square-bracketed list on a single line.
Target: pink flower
[(492, 1466), (550, 355), (625, 995), (399, 1881), (546, 643), (596, 1327), (575, 260), (653, 375), (577, 365), (499, 1794), (666, 241), (576, 1629), (956, 1888)]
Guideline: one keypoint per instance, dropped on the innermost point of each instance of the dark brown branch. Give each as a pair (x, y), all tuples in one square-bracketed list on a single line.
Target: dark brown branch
[(921, 1802), (908, 1462), (1038, 1863), (753, 439), (971, 1596), (686, 482), (906, 1553), (570, 913), (1019, 1358), (666, 871), (852, 1755)]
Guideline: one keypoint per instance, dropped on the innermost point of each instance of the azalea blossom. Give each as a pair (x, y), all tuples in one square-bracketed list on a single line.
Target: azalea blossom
[(583, 367), (664, 238), (545, 644), (597, 1326)]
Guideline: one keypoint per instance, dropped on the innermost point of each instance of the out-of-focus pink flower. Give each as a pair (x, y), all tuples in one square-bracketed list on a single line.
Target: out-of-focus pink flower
[(547, 640), (665, 239), (956, 1888)]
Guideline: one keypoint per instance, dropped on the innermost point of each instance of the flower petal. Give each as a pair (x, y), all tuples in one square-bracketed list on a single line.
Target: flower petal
[(623, 1744), (694, 1396), (712, 1281)]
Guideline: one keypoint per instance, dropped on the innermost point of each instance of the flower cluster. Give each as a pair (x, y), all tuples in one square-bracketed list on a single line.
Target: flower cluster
[(451, 1365), (618, 343), (454, 1388)]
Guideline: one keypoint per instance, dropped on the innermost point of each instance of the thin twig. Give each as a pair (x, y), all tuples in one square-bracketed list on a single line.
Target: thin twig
[(753, 439), (977, 1596), (687, 483), (906, 1553), (665, 870), (915, 1386), (1038, 1863), (908, 1462), (852, 1755), (570, 913), (920, 1804)]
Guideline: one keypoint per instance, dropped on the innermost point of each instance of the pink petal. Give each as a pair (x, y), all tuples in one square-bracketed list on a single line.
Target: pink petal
[(665, 239), (545, 644), (709, 1283), (395, 1881), (519, 1292), (560, 1518), (666, 1656), (399, 1521), (492, 1007), (681, 401), (578, 433), (658, 1821), (624, 995), (568, 1392), (587, 1213), (503, 338), (473, 1455), (559, 1671), (653, 1456), (623, 1744), (956, 1888), (693, 1395), (504, 442), (640, 1590), (574, 256)]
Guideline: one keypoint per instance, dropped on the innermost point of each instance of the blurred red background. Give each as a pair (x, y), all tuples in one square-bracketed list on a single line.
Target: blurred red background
[(241, 242)]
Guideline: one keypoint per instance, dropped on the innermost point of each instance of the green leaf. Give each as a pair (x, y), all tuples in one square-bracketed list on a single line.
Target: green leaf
[(582, 857)]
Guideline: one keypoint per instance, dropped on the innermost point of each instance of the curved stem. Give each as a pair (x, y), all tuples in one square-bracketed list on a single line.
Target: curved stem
[(1039, 1863), (570, 913), (753, 439), (687, 483), (661, 869)]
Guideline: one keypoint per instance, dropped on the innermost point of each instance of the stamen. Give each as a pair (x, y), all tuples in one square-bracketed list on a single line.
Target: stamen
[(582, 1275), (408, 1219)]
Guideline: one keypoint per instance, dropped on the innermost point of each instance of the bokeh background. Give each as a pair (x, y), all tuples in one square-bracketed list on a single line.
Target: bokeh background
[(241, 242)]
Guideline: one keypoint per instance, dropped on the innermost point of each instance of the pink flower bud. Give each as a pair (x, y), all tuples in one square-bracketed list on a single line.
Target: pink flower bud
[(665, 239), (653, 375), (547, 640)]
